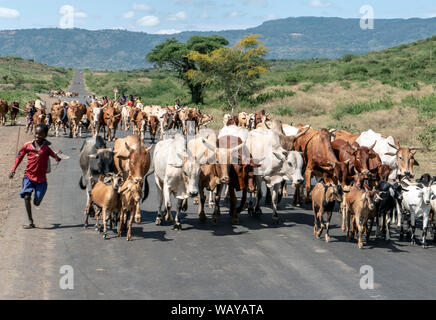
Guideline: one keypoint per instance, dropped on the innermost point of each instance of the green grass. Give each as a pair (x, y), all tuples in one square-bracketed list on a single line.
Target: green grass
[(425, 105), (361, 107), (21, 79)]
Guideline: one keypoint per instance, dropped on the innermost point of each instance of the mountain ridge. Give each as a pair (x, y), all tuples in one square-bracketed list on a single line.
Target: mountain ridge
[(287, 38)]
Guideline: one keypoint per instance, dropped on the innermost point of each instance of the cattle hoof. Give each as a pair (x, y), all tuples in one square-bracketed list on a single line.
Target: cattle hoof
[(177, 227), (327, 238), (250, 211), (105, 236), (235, 220), (158, 221), (203, 218), (258, 211), (276, 220)]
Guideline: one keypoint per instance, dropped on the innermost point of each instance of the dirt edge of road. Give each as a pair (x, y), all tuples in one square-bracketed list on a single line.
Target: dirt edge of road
[(9, 190)]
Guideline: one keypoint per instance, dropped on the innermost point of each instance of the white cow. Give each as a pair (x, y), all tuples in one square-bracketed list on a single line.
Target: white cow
[(416, 204), (177, 173), (235, 131), (125, 112), (382, 147), (278, 165)]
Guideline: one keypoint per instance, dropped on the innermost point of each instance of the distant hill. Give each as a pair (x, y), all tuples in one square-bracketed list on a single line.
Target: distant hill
[(290, 38)]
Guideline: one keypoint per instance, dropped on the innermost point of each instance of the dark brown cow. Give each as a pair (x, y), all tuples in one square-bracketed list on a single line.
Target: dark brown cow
[(318, 155), (359, 157), (39, 117), (241, 176), (14, 108), (324, 198), (3, 111), (153, 123)]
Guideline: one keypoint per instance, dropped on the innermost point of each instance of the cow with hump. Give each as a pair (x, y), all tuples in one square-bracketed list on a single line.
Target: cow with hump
[(176, 172), (132, 161)]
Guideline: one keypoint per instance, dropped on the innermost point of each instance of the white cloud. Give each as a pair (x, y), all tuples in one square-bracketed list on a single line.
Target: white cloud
[(168, 31), (233, 14), (148, 21), (178, 16), (319, 4), (141, 7), (128, 14), (9, 13)]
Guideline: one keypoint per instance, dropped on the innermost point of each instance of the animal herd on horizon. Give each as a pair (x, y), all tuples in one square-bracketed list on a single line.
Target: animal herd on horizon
[(368, 176)]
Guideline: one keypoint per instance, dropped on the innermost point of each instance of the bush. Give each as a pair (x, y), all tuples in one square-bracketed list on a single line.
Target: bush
[(291, 78), (427, 137), (283, 111), (360, 107), (347, 58)]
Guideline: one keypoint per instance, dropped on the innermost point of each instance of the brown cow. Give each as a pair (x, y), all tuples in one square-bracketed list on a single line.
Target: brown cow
[(141, 123), (105, 196), (132, 160), (57, 114), (39, 117), (360, 157), (318, 155), (3, 111), (111, 118), (324, 198), (243, 120), (74, 114), (14, 108), (346, 136), (153, 123), (95, 118), (133, 114), (358, 207)]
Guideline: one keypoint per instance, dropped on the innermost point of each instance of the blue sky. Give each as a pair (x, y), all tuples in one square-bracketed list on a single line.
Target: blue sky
[(170, 16)]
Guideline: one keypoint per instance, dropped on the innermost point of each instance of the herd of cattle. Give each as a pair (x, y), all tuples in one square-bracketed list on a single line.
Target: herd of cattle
[(61, 93), (368, 175)]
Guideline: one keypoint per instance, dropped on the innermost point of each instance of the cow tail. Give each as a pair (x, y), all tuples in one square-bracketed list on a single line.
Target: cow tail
[(145, 190), (81, 185)]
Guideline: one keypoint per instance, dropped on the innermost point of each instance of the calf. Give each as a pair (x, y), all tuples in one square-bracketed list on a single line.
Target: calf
[(359, 204), (130, 194), (390, 197), (324, 198), (105, 196)]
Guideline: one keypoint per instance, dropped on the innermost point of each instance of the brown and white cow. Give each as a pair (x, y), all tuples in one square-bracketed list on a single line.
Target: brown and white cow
[(111, 118), (57, 114)]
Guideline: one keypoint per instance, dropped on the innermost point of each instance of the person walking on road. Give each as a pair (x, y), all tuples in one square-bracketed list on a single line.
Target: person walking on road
[(35, 179)]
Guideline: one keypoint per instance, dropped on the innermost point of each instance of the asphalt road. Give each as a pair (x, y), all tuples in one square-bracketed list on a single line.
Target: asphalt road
[(254, 260)]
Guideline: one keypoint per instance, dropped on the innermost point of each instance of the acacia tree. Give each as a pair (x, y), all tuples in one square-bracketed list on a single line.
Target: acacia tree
[(173, 55), (234, 70)]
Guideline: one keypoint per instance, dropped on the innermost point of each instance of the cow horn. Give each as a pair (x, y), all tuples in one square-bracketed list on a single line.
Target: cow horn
[(149, 148), (302, 133), (372, 147), (208, 145), (415, 149), (395, 147), (333, 130)]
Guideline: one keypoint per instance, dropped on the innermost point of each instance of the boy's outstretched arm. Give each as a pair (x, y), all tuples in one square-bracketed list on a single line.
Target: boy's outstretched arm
[(54, 155), (18, 159)]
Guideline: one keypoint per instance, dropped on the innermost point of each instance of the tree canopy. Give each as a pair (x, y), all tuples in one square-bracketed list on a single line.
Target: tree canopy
[(173, 55), (234, 70)]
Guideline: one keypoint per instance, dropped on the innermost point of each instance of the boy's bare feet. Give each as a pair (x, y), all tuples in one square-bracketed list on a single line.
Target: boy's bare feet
[(30, 226)]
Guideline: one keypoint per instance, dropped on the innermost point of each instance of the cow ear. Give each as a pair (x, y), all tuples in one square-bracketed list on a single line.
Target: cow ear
[(372, 156), (279, 156), (415, 163)]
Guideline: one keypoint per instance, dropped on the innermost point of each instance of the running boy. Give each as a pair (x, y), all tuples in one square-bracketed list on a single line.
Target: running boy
[(35, 179)]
